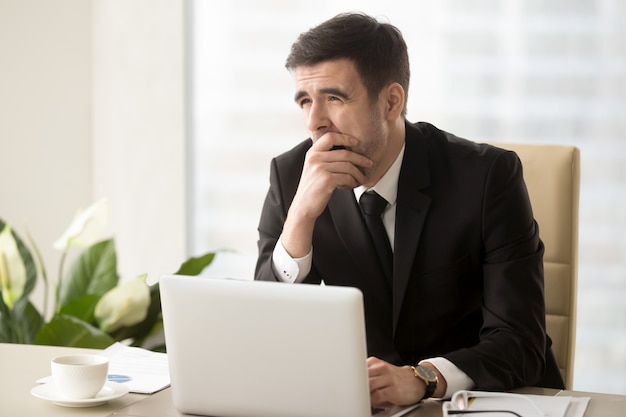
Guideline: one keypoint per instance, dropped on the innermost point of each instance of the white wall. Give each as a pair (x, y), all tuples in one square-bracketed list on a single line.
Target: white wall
[(138, 130), (45, 117), (92, 105)]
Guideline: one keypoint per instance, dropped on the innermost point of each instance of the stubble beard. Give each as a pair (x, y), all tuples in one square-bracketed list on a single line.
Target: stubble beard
[(372, 145)]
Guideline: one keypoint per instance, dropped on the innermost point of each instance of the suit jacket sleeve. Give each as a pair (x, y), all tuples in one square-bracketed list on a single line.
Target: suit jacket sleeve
[(283, 187), (511, 350)]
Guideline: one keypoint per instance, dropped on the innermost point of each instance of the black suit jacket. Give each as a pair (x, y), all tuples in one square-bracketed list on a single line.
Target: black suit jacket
[(468, 260)]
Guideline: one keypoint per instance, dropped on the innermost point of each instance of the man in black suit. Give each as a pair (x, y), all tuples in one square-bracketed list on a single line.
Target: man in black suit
[(461, 304)]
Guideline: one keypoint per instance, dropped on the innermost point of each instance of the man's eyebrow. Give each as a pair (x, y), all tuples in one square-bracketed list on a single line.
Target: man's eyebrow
[(334, 92), (299, 95), (329, 91)]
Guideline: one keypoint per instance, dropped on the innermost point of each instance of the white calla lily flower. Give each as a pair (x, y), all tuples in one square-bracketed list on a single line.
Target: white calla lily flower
[(125, 305), (12, 268), (87, 228)]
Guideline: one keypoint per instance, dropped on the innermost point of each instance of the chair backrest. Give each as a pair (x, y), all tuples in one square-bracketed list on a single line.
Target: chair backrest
[(552, 176)]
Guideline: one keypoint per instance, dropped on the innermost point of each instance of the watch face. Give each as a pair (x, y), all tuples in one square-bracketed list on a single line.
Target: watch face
[(426, 372)]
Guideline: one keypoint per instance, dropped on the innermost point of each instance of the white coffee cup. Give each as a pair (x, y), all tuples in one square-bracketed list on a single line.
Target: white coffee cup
[(79, 376)]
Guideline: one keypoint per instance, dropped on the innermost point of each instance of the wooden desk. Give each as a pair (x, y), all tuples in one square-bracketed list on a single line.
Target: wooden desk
[(601, 405), (22, 365)]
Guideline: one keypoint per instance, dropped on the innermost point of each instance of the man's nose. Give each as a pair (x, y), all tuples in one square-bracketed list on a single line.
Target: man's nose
[(317, 118)]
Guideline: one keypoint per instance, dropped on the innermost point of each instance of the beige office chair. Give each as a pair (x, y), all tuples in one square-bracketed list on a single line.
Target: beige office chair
[(552, 175)]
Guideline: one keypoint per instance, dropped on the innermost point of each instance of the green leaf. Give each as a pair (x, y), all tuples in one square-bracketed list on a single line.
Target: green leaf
[(69, 331), (28, 321), (20, 325), (193, 266), (93, 272), (82, 308), (29, 263), (8, 333)]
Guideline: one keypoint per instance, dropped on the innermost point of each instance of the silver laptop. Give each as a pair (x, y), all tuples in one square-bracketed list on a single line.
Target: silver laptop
[(265, 349)]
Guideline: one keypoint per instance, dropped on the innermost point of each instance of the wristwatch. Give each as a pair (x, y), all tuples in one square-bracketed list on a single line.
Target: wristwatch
[(428, 376)]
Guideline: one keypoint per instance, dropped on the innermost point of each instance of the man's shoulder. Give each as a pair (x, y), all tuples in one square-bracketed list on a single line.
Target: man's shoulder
[(438, 140), (296, 153)]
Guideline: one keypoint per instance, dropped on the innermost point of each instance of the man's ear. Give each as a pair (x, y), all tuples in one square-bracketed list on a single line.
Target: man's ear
[(394, 101)]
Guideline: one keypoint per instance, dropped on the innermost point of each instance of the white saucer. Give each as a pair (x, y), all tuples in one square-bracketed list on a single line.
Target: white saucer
[(110, 391)]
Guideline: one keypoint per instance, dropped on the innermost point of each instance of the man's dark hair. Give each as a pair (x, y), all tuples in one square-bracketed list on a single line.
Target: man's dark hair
[(377, 50)]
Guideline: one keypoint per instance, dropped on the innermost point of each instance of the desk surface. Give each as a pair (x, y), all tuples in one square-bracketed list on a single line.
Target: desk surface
[(22, 365)]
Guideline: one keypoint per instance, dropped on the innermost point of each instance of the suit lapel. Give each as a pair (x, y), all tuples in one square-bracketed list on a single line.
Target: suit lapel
[(412, 207)]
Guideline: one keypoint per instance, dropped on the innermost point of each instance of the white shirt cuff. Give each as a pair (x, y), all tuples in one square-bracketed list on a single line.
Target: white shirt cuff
[(456, 379), (288, 269)]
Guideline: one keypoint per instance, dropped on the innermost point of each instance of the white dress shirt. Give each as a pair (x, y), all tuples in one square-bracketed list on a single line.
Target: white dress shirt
[(292, 270)]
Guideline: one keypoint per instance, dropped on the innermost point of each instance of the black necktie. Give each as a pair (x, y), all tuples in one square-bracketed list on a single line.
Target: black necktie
[(372, 206)]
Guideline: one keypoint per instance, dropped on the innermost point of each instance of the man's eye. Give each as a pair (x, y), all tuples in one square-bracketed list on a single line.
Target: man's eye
[(304, 102), (333, 98)]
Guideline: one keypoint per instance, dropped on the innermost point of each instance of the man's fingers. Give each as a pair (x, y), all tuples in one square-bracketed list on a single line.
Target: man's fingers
[(339, 155), (348, 165), (330, 140)]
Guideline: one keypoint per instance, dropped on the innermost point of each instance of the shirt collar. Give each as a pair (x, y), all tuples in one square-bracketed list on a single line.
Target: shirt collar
[(387, 186)]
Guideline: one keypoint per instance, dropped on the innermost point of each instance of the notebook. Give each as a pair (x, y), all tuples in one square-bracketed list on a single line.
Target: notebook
[(265, 349)]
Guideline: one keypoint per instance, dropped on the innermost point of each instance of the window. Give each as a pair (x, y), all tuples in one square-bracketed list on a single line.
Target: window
[(487, 70)]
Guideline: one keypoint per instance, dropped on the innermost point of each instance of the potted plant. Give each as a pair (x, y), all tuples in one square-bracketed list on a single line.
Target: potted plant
[(91, 308)]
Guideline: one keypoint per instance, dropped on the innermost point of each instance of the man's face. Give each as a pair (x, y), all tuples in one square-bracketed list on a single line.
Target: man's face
[(332, 98)]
